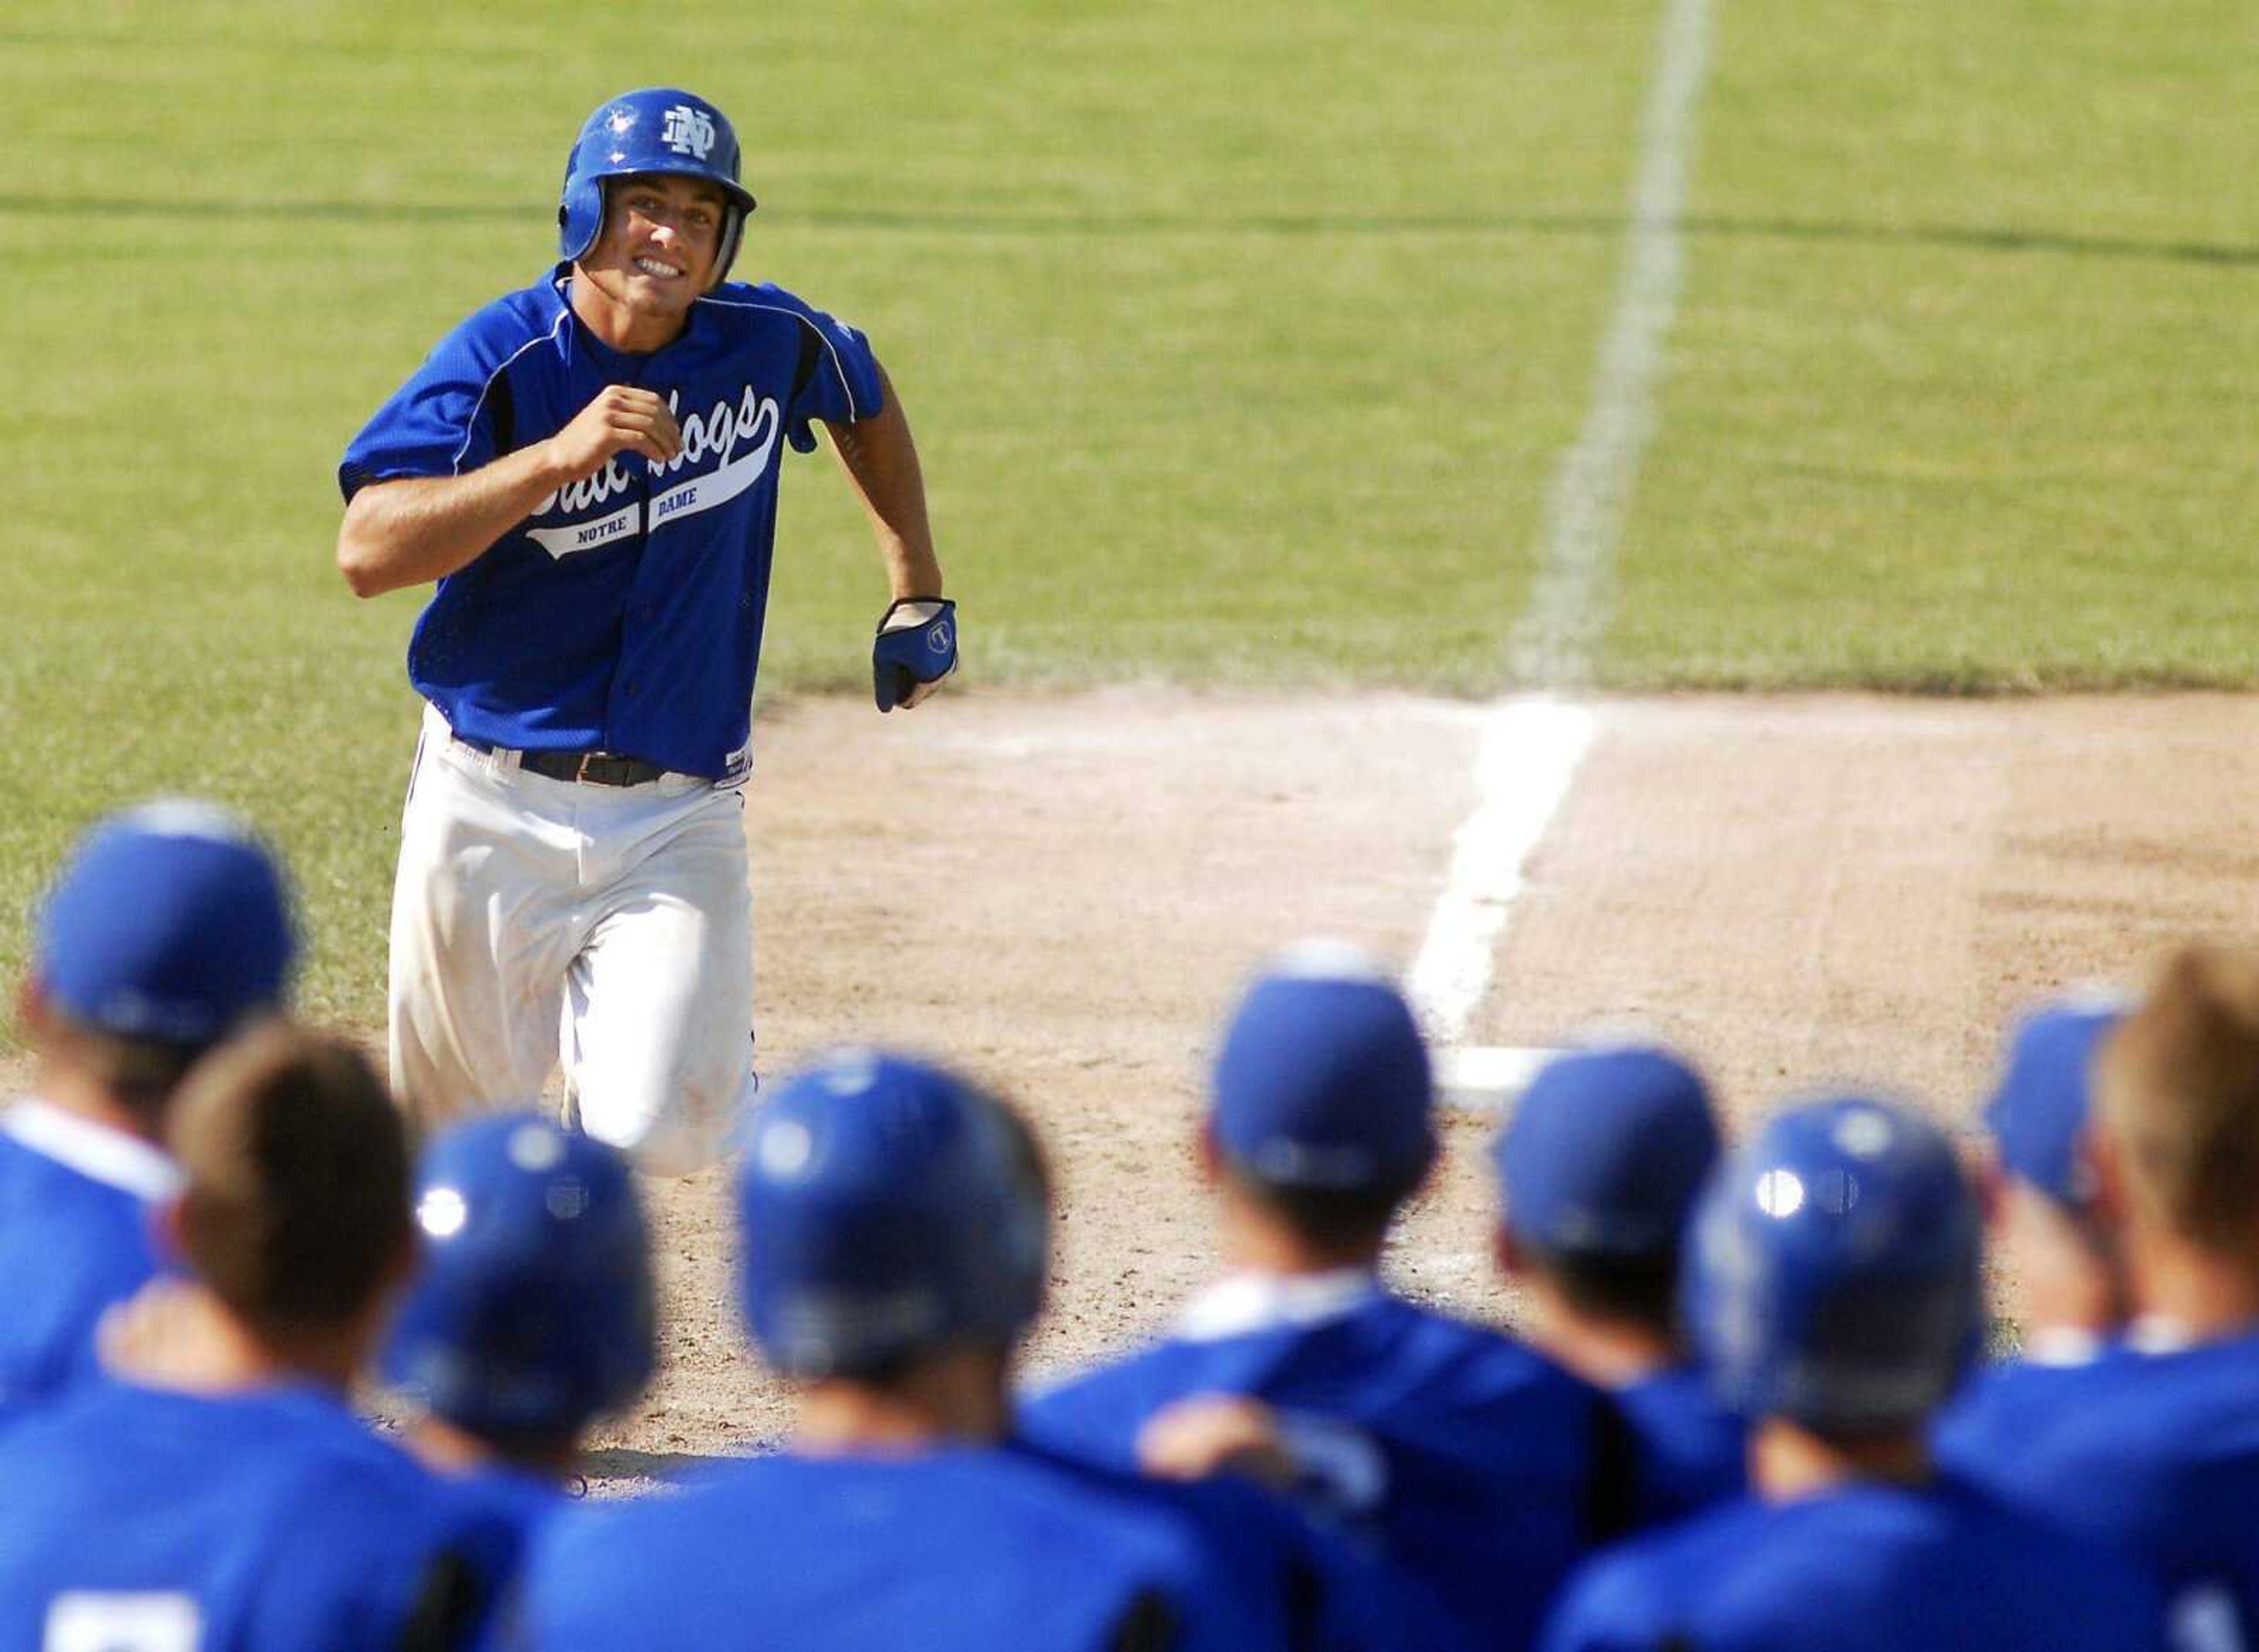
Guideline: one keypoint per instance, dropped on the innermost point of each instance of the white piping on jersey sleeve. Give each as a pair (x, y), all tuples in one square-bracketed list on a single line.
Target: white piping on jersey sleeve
[(471, 425), (838, 365)]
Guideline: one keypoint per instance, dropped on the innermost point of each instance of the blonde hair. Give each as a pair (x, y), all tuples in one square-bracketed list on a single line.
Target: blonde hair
[(2177, 1085)]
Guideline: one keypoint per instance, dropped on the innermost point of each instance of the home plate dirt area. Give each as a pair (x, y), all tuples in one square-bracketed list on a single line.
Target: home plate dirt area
[(1061, 894)]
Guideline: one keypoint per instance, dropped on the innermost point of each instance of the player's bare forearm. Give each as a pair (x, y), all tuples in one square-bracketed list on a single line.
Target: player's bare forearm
[(881, 463), (418, 529)]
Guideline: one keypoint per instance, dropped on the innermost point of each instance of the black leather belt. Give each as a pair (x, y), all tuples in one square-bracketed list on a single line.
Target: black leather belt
[(595, 768)]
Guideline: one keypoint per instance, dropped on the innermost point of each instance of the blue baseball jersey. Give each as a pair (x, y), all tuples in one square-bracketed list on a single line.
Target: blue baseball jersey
[(970, 1547), (2156, 1452), (76, 1200), (1495, 1471), (625, 615), (1868, 1568), (267, 1521), (1339, 1596), (1690, 1452), (499, 1510), (2002, 1404)]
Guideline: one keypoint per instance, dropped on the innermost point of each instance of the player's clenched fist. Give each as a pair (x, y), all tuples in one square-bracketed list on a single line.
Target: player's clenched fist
[(621, 420)]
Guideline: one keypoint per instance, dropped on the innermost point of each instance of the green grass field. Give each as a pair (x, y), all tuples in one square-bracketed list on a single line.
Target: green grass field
[(1240, 343), (1963, 392)]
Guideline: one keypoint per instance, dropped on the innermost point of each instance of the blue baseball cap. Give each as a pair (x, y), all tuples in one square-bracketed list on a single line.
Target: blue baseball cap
[(1607, 1151), (2040, 1107), (168, 921), (1323, 1081)]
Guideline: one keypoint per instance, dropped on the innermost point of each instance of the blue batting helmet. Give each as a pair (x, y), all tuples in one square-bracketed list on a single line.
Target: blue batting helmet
[(535, 1311), (1834, 1276), (657, 129), (887, 1206)]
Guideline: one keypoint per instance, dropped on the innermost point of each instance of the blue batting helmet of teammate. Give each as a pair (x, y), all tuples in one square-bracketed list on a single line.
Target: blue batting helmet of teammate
[(534, 1310), (887, 1206), (659, 129), (1834, 1278)]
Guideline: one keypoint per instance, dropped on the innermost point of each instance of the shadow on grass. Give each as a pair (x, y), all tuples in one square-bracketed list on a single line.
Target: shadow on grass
[(1961, 236)]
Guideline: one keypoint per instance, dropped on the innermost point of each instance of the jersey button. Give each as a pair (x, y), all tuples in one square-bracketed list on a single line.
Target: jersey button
[(651, 610), (634, 688)]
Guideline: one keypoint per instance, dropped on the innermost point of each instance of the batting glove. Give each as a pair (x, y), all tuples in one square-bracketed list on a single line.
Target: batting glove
[(917, 647)]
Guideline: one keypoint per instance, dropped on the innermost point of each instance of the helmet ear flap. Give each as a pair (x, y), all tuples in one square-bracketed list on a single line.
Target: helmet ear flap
[(580, 217), (733, 232)]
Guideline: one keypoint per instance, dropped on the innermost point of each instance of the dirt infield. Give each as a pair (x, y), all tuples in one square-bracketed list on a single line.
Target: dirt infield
[(1062, 894)]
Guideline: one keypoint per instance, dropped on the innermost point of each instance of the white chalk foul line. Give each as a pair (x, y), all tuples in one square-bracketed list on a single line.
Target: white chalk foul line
[(1528, 754), (1531, 747)]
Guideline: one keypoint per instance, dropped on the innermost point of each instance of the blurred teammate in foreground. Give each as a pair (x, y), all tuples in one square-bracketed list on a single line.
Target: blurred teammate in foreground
[(895, 1223), (532, 1313), (2067, 1292), (1599, 1169), (167, 929), (2154, 1442), (243, 1505), (1483, 1469), (1835, 1293)]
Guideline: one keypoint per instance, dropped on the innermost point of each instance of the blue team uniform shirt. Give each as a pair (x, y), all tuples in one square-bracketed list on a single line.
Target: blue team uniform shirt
[(2155, 1449), (266, 1521), (625, 615), (76, 1200), (2003, 1402), (1340, 1597), (1691, 1453), (1493, 1474), (500, 1510), (960, 1548), (1868, 1568)]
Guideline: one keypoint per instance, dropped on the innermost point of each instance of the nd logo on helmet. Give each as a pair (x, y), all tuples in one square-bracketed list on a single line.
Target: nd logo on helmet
[(688, 131)]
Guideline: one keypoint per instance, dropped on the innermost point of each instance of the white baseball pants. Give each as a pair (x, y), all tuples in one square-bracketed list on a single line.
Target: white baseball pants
[(610, 928)]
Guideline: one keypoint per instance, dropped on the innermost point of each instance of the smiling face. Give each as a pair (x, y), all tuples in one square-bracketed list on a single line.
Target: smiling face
[(661, 241)]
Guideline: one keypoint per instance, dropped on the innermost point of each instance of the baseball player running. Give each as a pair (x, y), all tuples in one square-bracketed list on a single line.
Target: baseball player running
[(589, 469), (167, 929), (1835, 1293)]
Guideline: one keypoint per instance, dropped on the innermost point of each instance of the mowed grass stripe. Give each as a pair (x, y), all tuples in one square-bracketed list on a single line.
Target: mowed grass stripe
[(1982, 420)]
